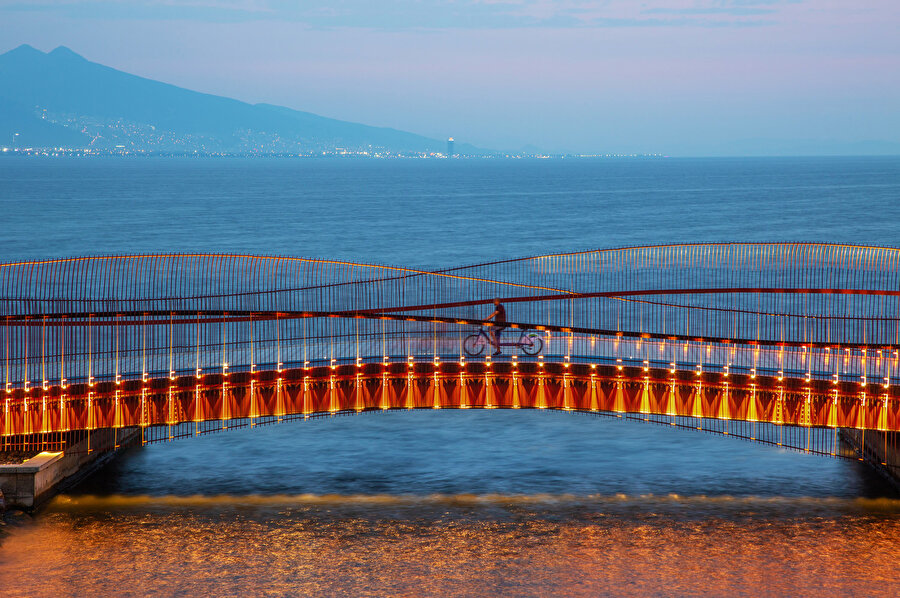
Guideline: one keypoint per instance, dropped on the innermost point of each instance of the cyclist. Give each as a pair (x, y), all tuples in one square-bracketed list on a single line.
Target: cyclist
[(499, 316)]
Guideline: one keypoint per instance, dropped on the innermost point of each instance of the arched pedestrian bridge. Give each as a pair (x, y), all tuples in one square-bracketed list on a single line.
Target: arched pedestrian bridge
[(785, 343)]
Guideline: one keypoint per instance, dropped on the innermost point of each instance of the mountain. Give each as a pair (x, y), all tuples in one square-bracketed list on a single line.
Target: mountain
[(60, 99)]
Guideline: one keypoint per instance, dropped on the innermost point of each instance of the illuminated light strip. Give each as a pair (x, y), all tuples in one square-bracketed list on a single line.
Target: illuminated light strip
[(354, 378)]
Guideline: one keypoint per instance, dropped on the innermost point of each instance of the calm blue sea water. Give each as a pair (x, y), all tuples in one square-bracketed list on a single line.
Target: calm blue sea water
[(435, 213), (443, 474)]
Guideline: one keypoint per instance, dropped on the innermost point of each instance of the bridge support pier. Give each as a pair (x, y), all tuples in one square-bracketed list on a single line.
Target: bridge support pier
[(26, 486)]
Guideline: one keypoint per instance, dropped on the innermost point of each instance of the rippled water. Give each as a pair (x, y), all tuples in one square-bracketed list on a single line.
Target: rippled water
[(453, 502), (462, 545)]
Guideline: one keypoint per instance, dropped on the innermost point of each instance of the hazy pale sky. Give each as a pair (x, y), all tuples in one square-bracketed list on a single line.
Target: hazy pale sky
[(683, 77)]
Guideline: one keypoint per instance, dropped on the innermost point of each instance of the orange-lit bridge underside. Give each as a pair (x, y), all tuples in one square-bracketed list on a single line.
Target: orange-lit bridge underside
[(787, 412)]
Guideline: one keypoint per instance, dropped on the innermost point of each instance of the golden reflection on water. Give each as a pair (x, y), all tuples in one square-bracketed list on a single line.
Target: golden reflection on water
[(453, 546)]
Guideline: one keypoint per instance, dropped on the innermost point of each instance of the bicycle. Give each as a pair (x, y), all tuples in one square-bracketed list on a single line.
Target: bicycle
[(529, 342)]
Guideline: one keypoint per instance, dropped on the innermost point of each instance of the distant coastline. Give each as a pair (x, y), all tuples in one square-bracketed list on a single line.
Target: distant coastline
[(91, 153), (61, 102)]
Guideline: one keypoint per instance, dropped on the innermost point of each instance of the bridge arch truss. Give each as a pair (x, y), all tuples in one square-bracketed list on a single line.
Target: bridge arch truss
[(798, 335)]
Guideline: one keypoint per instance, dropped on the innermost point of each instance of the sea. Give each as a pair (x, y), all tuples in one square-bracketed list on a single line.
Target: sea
[(451, 503)]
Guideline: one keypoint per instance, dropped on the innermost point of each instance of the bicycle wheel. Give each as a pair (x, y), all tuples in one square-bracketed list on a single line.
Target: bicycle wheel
[(473, 345), (533, 347)]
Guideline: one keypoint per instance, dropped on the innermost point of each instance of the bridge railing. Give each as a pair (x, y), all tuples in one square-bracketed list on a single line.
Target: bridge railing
[(141, 351), (811, 311)]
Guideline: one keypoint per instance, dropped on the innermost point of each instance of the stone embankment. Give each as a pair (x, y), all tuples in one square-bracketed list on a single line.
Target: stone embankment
[(29, 480)]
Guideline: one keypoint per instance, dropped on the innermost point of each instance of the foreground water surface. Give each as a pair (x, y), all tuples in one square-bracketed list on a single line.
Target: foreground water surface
[(452, 503), (462, 503), (456, 546)]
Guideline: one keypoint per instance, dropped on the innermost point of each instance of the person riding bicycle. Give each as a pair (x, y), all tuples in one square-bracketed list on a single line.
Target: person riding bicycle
[(499, 326)]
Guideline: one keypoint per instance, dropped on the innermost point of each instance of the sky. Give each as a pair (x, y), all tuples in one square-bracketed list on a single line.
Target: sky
[(677, 77)]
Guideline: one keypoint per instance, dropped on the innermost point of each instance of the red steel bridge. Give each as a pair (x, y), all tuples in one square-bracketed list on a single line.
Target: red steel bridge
[(794, 344)]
